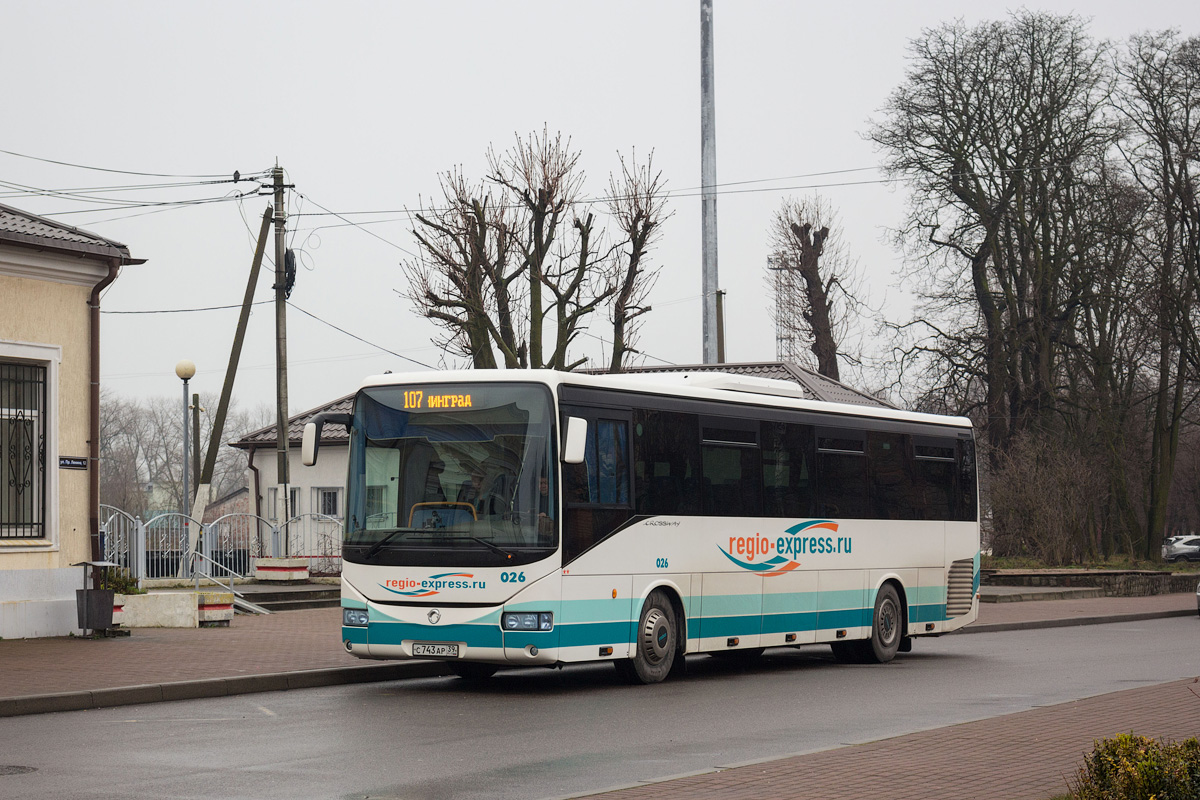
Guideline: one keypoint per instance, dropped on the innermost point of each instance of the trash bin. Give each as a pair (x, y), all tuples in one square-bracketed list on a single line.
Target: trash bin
[(95, 608)]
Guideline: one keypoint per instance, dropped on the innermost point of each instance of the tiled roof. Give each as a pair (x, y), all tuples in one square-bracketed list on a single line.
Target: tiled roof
[(22, 228), (819, 386), (330, 434)]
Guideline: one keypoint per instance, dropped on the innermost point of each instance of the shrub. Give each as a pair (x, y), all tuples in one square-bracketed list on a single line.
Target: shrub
[(121, 582), (1132, 767)]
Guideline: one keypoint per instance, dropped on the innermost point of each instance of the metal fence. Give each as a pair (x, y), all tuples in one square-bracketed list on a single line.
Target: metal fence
[(161, 547)]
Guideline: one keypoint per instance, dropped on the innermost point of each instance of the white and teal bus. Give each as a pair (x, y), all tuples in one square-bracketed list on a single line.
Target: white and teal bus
[(534, 518)]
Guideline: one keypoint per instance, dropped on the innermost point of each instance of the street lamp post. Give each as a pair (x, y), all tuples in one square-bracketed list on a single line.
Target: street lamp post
[(185, 369)]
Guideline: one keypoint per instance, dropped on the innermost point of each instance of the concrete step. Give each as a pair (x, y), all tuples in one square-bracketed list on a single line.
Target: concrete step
[(298, 603), (1018, 594)]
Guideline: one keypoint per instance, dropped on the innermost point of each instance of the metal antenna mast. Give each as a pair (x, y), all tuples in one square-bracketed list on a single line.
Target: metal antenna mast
[(708, 182)]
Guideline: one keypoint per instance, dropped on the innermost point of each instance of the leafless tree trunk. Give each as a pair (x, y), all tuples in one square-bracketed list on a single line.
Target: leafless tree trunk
[(636, 204), (1161, 100), (805, 237)]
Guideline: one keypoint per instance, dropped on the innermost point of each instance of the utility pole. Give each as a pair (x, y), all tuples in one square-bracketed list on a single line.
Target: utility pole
[(235, 355), (708, 182), (281, 396), (720, 327)]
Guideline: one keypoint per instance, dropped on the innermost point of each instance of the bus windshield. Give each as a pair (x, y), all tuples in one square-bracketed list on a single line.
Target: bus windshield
[(451, 474)]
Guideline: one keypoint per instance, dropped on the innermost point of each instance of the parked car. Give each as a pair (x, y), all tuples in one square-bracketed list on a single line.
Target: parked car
[(1180, 548)]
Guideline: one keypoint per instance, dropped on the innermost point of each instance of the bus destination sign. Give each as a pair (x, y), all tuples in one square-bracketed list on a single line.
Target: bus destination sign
[(418, 400)]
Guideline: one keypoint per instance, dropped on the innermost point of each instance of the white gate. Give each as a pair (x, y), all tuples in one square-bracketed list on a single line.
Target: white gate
[(236, 541), (318, 538)]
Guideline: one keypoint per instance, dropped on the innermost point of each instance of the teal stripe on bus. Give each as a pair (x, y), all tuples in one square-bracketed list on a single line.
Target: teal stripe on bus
[(393, 633), (354, 634), (595, 633), (933, 612)]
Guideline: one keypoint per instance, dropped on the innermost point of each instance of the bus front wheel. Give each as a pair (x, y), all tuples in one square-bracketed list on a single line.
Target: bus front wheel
[(657, 639)]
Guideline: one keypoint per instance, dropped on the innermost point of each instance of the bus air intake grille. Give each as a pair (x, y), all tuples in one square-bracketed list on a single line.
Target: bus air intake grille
[(960, 588)]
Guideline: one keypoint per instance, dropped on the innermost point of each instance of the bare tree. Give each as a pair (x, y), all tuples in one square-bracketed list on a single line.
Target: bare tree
[(1160, 99), (993, 128), (813, 282), (638, 206), (141, 451), (524, 269)]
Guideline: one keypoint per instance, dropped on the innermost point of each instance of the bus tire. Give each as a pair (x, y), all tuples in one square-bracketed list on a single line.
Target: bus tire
[(887, 627), (473, 670), (657, 640)]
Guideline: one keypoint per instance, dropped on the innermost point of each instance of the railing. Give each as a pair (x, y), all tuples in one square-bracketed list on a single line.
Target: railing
[(161, 547), (199, 574)]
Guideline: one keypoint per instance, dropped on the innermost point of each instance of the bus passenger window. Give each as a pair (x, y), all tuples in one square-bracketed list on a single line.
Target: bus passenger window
[(787, 470), (842, 474), (666, 450)]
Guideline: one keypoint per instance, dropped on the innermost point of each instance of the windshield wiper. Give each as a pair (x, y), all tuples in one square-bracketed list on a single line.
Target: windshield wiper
[(398, 532), (489, 545)]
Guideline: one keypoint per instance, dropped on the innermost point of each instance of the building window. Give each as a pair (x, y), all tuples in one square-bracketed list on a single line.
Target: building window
[(327, 502), (23, 409), (293, 509)]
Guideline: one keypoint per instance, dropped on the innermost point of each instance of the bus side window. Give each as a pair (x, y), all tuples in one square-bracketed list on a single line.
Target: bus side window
[(787, 452), (842, 474), (666, 451), (966, 507), (597, 490), (892, 491)]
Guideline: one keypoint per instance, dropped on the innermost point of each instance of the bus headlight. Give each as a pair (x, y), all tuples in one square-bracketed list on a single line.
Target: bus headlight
[(529, 621), (355, 617)]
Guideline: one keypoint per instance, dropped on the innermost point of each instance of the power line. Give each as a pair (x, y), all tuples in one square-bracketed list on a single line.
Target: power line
[(359, 338), (187, 310), (105, 169), (356, 225)]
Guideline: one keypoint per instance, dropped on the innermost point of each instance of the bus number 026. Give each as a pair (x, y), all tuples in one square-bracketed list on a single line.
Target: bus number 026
[(512, 577), (661, 563)]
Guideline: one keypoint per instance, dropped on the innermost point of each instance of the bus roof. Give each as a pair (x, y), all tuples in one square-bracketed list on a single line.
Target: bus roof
[(707, 385)]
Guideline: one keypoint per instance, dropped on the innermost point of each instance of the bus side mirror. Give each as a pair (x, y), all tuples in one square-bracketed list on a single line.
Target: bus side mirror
[(575, 442), (312, 434), (310, 443)]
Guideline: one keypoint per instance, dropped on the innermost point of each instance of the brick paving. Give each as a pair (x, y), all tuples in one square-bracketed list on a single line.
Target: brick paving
[(252, 645), (1030, 755)]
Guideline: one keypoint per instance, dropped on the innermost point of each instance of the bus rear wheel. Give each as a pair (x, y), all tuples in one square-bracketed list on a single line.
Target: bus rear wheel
[(887, 627), (657, 640), (887, 633)]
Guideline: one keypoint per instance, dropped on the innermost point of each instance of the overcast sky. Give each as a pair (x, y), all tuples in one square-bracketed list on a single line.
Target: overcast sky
[(364, 103)]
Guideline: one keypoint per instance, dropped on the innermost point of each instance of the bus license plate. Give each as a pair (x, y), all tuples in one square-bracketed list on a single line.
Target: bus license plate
[(435, 649)]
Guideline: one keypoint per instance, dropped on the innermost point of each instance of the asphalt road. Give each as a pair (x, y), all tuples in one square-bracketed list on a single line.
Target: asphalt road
[(544, 734)]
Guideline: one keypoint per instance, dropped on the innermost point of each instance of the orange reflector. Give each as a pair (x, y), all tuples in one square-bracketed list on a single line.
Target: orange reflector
[(614, 594), (928, 626), (732, 641), (791, 637), (606, 651), (841, 634)]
